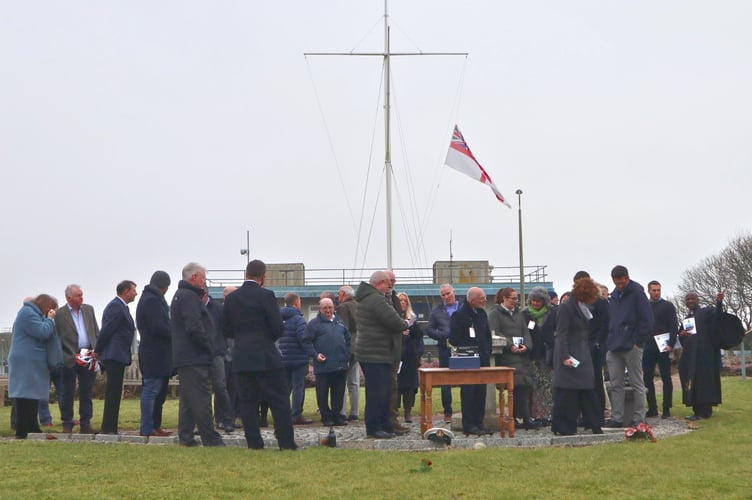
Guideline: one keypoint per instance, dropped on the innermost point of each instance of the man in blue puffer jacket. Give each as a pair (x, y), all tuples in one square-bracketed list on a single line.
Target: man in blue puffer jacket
[(630, 324), (294, 356), (327, 341)]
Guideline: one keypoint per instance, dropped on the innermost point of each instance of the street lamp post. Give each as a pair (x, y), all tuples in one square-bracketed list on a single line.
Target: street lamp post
[(247, 250), (522, 264)]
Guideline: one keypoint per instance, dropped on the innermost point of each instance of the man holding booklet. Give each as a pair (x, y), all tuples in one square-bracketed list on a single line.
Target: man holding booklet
[(665, 328)]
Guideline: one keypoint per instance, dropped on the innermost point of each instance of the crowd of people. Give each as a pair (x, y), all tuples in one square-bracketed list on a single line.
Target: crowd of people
[(559, 350), (247, 355)]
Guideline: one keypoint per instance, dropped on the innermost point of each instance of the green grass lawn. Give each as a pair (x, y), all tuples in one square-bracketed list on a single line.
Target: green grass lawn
[(711, 462)]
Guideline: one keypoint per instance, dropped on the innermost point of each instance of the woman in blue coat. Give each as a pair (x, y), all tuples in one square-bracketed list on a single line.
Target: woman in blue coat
[(29, 376)]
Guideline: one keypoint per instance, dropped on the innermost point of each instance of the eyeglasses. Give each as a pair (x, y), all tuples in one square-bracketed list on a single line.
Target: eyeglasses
[(513, 298)]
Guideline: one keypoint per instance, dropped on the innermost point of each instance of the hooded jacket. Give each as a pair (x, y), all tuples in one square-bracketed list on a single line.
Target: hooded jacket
[(379, 327), (291, 342)]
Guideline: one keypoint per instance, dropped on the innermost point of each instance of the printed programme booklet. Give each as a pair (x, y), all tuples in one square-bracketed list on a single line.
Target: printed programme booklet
[(661, 341), (689, 325)]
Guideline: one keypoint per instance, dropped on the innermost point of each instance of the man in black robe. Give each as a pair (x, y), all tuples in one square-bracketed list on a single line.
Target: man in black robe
[(700, 364)]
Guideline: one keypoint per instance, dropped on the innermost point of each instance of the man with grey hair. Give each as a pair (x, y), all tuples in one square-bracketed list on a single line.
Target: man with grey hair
[(192, 356), (378, 349), (346, 311), (469, 327), (326, 341), (77, 327)]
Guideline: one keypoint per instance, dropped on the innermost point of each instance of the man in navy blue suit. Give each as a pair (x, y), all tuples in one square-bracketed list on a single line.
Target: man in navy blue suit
[(114, 350), (251, 317)]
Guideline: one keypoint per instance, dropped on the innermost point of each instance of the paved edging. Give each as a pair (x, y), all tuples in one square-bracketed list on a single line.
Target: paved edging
[(353, 437)]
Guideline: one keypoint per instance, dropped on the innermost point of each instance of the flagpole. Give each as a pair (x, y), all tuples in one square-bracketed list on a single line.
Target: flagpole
[(387, 55), (522, 264), (387, 139)]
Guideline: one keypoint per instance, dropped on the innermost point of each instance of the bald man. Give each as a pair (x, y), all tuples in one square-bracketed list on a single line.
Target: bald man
[(326, 340), (469, 327)]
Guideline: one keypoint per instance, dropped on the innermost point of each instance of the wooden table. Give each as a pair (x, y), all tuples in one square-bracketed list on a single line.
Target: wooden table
[(431, 377)]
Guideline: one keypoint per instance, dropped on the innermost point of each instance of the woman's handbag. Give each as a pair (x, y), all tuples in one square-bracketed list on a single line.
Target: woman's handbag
[(54, 354)]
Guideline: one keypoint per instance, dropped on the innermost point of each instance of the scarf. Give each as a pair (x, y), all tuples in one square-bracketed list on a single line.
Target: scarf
[(538, 315)]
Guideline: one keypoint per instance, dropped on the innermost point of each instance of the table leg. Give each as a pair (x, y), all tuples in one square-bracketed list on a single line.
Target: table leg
[(510, 398), (502, 420), (422, 408), (426, 409)]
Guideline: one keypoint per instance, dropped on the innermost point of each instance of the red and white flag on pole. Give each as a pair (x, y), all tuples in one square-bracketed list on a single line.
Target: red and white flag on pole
[(461, 159)]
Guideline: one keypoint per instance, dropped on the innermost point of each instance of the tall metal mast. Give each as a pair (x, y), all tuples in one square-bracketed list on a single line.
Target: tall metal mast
[(388, 172)]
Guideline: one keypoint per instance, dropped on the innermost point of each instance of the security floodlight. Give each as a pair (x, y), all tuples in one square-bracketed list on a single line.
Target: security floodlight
[(243, 251)]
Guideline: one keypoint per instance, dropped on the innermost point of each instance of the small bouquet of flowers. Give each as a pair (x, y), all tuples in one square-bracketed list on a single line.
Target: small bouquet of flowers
[(640, 432), (85, 358), (425, 466)]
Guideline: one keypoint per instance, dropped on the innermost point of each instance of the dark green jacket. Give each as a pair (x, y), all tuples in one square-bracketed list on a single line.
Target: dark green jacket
[(380, 327)]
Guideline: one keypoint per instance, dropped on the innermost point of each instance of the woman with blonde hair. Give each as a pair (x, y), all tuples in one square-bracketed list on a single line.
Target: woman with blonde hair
[(412, 350)]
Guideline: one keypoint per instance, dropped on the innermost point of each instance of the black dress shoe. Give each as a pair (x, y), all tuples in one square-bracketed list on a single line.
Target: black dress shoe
[(381, 435), (613, 424), (477, 431), (694, 418), (529, 424), (352, 418), (651, 413)]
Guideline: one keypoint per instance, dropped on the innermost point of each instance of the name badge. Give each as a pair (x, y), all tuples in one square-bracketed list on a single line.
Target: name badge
[(531, 325), (472, 332)]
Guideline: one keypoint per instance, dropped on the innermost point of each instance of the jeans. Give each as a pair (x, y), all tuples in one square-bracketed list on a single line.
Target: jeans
[(296, 382), (86, 380), (153, 395), (45, 417)]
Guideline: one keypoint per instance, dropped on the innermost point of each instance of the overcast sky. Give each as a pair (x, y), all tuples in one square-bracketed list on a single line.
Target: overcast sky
[(141, 135)]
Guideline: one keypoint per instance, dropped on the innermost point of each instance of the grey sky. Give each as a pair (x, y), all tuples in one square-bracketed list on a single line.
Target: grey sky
[(137, 136)]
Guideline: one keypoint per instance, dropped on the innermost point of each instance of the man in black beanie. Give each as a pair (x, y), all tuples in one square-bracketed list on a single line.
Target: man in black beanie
[(154, 352)]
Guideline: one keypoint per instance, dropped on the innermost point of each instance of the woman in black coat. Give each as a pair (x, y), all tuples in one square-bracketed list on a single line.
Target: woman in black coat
[(574, 390), (412, 351)]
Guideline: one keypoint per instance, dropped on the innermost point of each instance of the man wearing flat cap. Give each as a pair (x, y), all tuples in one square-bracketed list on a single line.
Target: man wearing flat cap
[(154, 352)]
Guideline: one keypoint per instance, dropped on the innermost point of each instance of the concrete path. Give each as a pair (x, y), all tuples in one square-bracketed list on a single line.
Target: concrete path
[(353, 436)]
